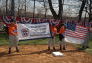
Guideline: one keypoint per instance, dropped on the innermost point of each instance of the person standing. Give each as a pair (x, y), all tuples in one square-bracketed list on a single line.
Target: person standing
[(61, 29), (51, 41), (13, 38)]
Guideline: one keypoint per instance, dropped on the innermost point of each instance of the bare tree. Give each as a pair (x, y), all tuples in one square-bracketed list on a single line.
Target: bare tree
[(39, 12), (25, 8), (12, 7), (90, 11), (86, 4), (34, 10), (6, 7), (45, 6), (81, 9), (18, 7), (60, 11)]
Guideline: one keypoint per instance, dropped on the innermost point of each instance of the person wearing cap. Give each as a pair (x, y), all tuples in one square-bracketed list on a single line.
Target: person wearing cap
[(13, 39), (61, 29), (51, 41)]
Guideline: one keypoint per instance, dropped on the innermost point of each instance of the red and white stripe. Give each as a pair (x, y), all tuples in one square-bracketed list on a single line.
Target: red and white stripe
[(80, 32)]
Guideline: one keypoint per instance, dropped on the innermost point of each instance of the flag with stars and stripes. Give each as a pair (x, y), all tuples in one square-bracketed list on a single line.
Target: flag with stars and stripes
[(76, 33)]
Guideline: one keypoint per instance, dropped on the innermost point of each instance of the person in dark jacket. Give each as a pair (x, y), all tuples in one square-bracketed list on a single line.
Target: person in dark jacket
[(61, 29)]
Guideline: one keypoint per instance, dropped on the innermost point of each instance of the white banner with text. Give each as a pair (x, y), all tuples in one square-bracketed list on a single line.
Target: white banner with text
[(33, 31)]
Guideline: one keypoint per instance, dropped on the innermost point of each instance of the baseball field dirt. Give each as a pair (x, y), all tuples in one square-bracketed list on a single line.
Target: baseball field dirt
[(40, 54)]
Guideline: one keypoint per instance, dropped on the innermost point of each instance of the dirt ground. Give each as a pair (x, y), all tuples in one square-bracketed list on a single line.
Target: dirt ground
[(40, 54)]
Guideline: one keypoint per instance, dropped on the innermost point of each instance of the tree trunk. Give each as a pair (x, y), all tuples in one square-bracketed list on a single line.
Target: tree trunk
[(12, 8), (90, 11), (55, 16), (60, 12), (81, 9), (34, 10), (18, 8), (45, 9), (6, 7), (25, 8)]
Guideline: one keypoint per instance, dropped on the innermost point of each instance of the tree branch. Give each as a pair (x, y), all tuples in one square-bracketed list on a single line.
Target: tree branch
[(60, 12), (52, 10)]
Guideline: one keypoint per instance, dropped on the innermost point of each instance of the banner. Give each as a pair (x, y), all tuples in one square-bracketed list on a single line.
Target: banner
[(73, 40), (76, 33), (33, 31)]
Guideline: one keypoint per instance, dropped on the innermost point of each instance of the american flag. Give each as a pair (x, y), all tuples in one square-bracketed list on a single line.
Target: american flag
[(76, 31)]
